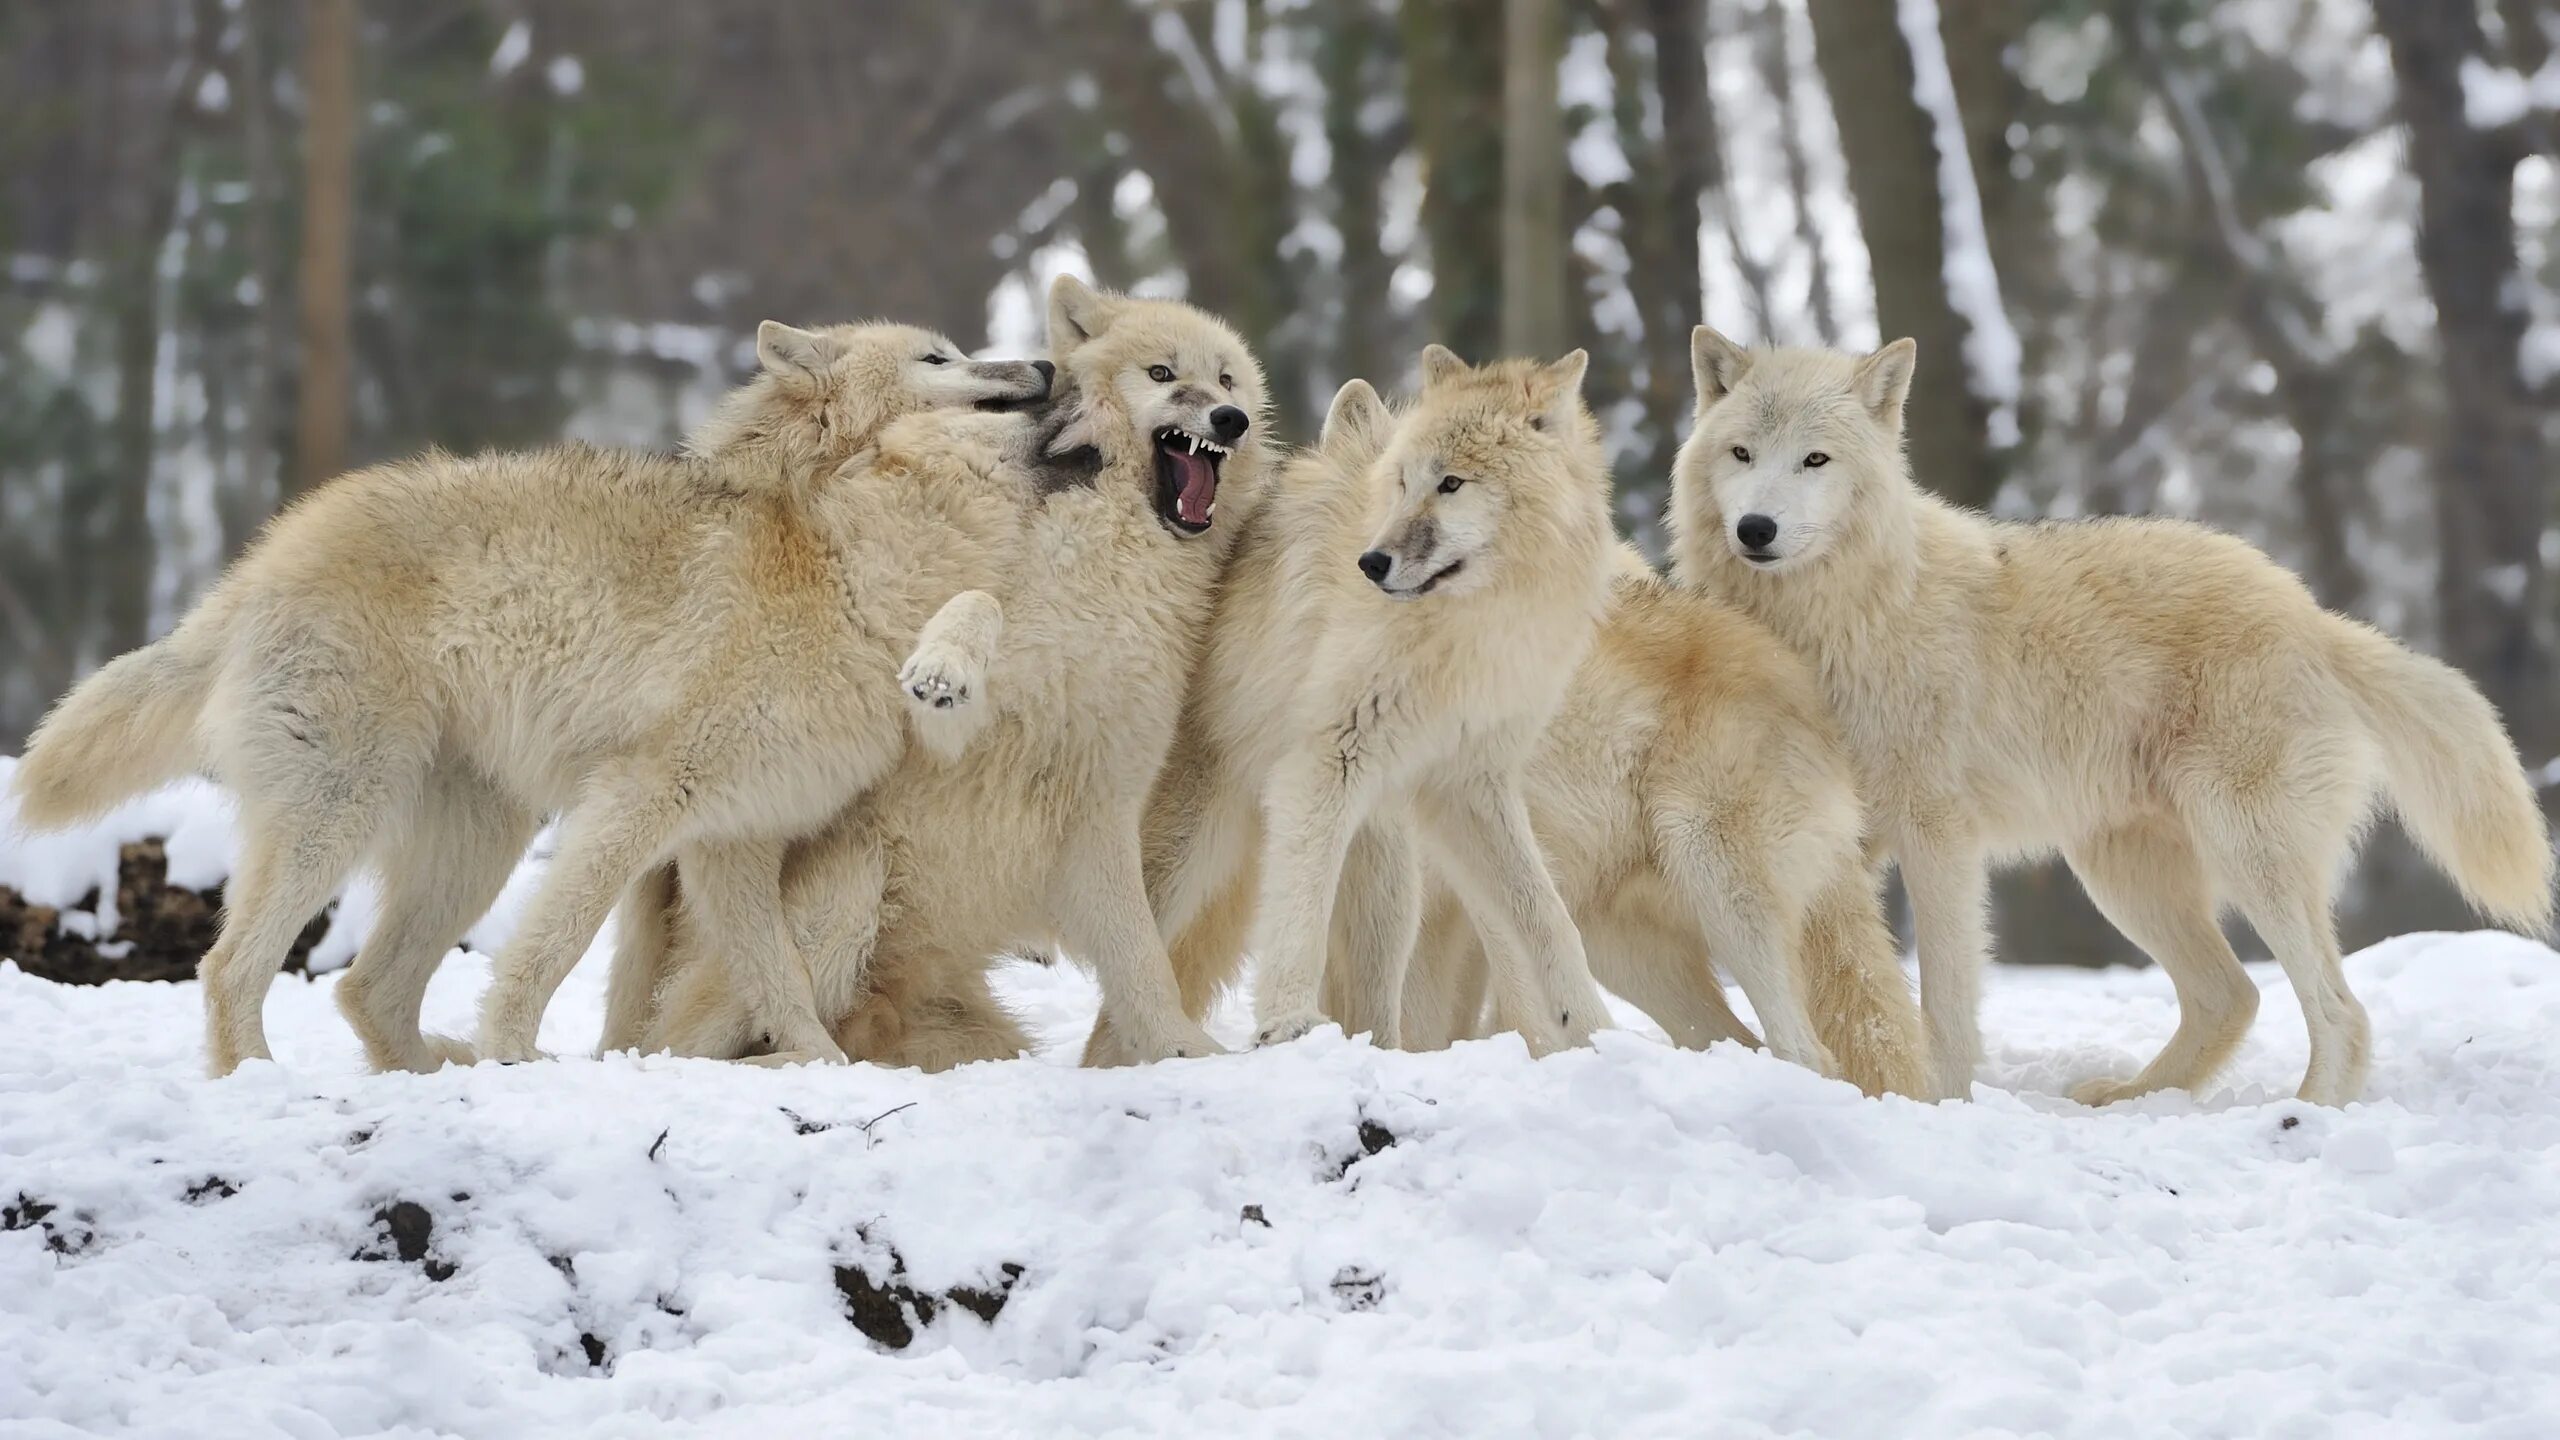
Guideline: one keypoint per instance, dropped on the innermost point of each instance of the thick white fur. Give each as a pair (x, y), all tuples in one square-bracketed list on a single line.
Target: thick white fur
[(1326, 700), (2161, 703), (419, 660), (1697, 804), (1034, 837)]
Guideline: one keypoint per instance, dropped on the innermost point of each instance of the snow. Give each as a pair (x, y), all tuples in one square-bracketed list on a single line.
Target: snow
[(2493, 97), (1323, 1237), (1991, 349)]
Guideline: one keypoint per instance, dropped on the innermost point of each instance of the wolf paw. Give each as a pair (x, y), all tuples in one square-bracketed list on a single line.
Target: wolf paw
[(936, 679), (1287, 1028), (2103, 1091)]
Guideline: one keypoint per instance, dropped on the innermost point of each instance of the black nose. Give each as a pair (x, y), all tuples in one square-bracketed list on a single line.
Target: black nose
[(1230, 422), (1755, 531), (1376, 564), (1048, 372)]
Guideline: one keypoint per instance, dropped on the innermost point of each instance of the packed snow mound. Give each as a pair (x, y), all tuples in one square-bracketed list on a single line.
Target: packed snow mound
[(1317, 1238)]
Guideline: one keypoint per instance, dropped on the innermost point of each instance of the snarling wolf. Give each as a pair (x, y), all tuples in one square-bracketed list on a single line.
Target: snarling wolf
[(1141, 472)]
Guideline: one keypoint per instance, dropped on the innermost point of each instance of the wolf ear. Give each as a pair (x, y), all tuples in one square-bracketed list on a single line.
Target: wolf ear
[(1562, 381), (1354, 421), (1716, 364), (1883, 380), (1077, 313), (1440, 365), (793, 353)]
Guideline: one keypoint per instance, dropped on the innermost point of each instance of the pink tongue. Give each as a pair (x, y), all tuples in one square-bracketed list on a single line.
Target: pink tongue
[(1199, 487)]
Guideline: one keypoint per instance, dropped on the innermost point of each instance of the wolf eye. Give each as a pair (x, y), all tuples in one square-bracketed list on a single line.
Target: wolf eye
[(1451, 484), (1816, 460), (1161, 374), (937, 359), (1741, 454)]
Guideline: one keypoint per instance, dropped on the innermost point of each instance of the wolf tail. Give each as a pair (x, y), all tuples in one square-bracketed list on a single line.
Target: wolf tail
[(127, 729), (1862, 1006), (2454, 777)]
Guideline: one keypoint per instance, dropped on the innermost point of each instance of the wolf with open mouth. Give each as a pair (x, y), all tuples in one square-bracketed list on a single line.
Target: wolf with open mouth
[(1133, 485)]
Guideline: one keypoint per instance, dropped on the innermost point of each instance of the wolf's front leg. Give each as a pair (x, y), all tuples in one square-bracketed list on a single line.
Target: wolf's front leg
[(1375, 927), (945, 678), (1099, 902), (1542, 979), (735, 889), (1311, 808), (1950, 888)]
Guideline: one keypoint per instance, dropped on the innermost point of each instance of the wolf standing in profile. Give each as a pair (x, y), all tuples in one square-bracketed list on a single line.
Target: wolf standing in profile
[(2162, 703), (685, 655)]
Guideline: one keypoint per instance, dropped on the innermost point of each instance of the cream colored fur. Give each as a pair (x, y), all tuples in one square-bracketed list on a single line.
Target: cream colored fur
[(1696, 803), (1034, 837), (2161, 703), (1329, 697), (416, 662)]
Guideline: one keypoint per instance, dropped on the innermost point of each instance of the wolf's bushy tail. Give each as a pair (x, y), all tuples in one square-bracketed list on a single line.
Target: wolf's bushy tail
[(124, 730), (1862, 1007), (2454, 777)]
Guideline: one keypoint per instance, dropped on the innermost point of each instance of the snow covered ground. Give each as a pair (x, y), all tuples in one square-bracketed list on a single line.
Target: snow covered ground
[(1318, 1239)]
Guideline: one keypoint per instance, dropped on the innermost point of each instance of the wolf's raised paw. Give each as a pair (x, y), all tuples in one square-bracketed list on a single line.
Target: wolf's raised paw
[(939, 680)]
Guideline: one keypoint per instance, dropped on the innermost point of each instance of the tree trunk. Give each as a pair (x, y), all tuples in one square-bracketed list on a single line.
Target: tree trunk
[(328, 229), (2492, 496), (1892, 153), (129, 561), (1778, 72), (1353, 33), (1453, 71), (1533, 272), (249, 502)]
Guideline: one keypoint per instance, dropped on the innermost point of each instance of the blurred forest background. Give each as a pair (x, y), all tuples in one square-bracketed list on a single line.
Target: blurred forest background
[(2282, 265)]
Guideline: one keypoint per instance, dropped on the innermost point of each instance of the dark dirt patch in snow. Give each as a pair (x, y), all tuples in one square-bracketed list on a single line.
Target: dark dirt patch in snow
[(1374, 1138), (63, 1237), (162, 930), (890, 1312), (409, 1229)]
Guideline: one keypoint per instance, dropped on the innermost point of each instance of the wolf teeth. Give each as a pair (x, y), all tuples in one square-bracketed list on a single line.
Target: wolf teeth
[(1193, 444)]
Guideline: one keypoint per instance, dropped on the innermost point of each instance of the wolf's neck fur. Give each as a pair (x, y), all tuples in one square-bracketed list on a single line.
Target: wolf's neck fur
[(763, 433)]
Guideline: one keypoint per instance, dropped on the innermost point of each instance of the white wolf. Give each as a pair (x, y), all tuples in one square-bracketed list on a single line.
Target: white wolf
[(1396, 631), (1698, 806), (1035, 837), (420, 659), (2162, 703)]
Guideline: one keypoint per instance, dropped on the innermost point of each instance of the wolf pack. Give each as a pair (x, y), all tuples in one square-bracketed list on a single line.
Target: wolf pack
[(908, 661)]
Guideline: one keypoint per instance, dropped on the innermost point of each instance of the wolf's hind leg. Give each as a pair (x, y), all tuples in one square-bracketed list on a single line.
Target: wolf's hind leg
[(945, 677), (1731, 898), (643, 937), (1669, 977), (2147, 880), (624, 825), (735, 890), (440, 871)]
